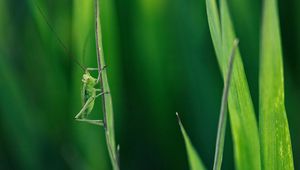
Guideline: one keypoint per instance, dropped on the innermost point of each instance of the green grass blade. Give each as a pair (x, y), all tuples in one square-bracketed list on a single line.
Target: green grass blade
[(223, 114), (242, 116), (276, 146), (241, 111), (193, 157), (214, 26), (106, 99)]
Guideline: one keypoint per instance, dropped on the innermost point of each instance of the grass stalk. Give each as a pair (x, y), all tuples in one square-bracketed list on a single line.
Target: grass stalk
[(108, 118), (223, 113)]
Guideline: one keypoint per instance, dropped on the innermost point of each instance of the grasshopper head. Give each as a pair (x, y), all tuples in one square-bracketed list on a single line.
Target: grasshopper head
[(88, 79)]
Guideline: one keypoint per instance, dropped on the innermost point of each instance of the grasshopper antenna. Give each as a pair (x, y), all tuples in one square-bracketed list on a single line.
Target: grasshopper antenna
[(57, 37)]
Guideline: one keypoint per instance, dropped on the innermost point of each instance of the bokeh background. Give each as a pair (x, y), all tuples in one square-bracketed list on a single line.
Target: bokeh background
[(160, 60)]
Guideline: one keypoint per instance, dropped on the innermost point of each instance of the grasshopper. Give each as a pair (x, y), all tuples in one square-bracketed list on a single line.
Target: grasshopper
[(89, 91), (88, 95)]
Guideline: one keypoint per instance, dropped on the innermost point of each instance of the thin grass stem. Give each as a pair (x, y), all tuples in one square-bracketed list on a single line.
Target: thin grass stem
[(223, 112), (108, 118)]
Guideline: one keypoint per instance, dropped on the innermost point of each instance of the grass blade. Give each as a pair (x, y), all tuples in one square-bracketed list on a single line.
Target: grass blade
[(194, 160), (106, 99), (223, 113), (214, 26), (241, 111), (274, 130)]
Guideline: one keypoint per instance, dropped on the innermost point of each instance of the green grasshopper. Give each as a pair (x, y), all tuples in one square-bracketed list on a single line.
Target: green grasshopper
[(88, 95), (89, 91)]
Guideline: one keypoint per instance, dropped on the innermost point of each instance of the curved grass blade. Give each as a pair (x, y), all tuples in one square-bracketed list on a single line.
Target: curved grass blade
[(214, 27), (193, 157), (241, 111), (106, 99), (223, 113), (276, 146)]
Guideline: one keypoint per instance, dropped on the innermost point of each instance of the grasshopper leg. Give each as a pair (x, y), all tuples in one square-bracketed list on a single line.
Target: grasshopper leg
[(80, 114), (96, 69), (100, 94), (92, 69), (94, 122), (84, 107)]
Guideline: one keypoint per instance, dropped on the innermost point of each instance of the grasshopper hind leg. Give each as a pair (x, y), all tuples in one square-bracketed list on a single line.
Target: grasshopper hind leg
[(81, 116), (94, 122)]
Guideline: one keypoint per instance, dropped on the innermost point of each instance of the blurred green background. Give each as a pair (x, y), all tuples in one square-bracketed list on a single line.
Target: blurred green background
[(160, 60)]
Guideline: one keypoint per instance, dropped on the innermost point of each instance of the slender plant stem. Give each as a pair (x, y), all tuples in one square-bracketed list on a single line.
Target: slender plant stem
[(223, 112), (108, 118)]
